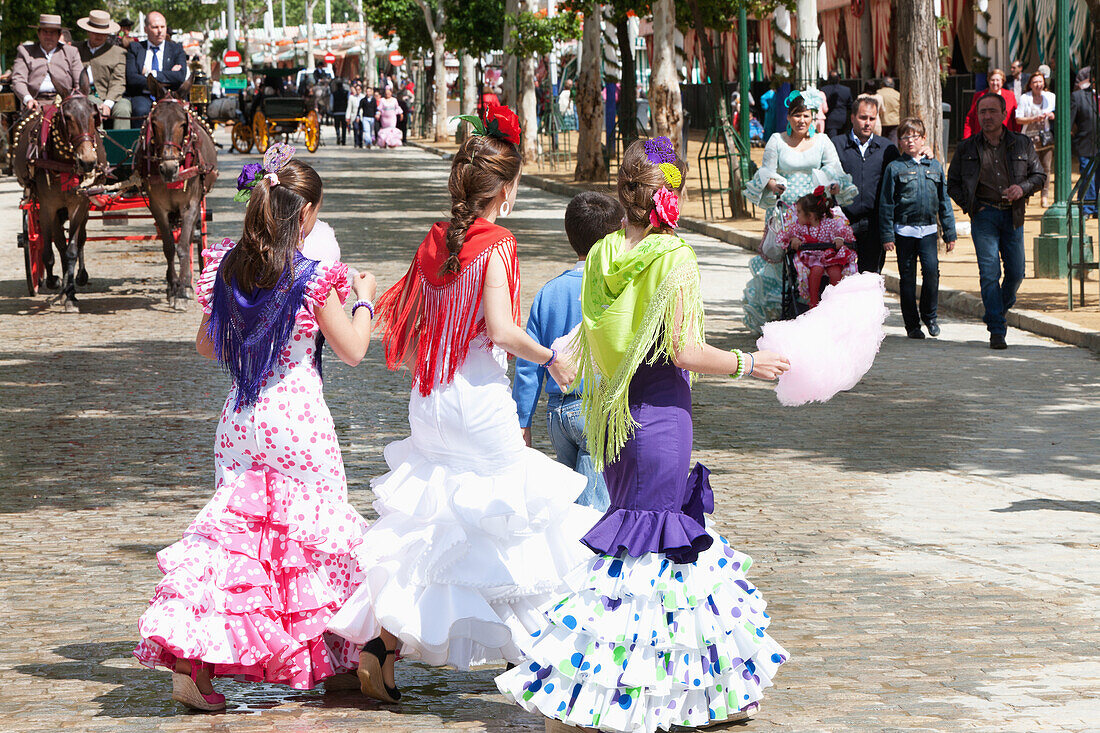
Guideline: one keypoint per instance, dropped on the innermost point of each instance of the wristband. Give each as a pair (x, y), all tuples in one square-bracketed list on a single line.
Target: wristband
[(752, 365), (551, 360), (363, 304), (740, 363)]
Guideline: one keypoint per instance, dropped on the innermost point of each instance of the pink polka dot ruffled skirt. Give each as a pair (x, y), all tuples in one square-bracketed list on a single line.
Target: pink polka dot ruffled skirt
[(255, 580)]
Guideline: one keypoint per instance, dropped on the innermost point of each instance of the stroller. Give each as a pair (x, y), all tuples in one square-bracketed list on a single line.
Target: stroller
[(792, 305)]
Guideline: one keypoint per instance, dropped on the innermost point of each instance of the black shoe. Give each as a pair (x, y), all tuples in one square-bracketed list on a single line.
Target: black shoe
[(933, 328), (997, 341), (371, 682), (915, 333)]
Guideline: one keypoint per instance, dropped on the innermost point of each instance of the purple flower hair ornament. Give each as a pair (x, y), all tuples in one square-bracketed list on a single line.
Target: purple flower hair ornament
[(276, 157), (659, 150)]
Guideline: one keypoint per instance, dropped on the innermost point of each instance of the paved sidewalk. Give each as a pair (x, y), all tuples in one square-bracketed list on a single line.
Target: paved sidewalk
[(926, 541)]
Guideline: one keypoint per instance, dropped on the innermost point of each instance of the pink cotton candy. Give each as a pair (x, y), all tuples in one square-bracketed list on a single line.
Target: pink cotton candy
[(832, 346), (321, 243)]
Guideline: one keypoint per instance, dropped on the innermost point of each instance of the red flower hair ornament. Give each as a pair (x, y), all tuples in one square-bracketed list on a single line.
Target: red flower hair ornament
[(499, 122), (666, 208)]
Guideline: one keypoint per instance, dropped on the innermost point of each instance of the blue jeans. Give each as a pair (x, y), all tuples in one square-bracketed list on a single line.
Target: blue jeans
[(565, 423), (1090, 194), (995, 239), (908, 250)]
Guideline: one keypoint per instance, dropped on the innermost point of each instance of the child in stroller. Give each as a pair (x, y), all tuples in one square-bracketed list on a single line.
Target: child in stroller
[(817, 236)]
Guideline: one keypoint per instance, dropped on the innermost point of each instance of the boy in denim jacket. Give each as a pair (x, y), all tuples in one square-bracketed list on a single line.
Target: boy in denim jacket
[(914, 193), (556, 310)]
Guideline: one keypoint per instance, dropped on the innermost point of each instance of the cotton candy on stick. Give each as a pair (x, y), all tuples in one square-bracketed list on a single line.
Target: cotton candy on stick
[(832, 346)]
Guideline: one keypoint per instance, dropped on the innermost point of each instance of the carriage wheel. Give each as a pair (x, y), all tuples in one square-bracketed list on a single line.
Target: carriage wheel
[(242, 137), (260, 132), (31, 242), (313, 131)]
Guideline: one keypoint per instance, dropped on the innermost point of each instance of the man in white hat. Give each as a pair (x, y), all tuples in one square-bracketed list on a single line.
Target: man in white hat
[(106, 65), (43, 69)]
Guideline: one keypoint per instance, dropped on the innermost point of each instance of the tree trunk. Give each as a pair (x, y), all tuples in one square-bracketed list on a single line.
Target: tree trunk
[(508, 73), (370, 69), (664, 83), (469, 84), (722, 117), (468, 105), (439, 53), (439, 56), (589, 102), (311, 63), (628, 97), (528, 107), (919, 65)]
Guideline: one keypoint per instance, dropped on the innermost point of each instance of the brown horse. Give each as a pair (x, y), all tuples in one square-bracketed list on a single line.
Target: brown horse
[(58, 153), (177, 161)]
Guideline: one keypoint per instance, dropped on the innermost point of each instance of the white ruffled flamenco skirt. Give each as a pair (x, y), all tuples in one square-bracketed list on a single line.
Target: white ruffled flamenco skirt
[(830, 347), (645, 643), (475, 530)]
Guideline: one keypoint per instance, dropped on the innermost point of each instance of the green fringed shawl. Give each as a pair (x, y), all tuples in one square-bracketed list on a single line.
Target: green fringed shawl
[(629, 302)]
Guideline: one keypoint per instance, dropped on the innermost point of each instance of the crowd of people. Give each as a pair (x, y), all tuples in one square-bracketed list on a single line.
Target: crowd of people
[(377, 117), (114, 65), (880, 199)]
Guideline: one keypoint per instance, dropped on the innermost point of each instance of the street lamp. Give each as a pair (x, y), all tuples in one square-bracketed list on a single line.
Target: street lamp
[(1048, 250)]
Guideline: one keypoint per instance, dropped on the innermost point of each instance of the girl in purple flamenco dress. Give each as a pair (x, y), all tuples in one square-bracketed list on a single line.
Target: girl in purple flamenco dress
[(661, 628), (249, 589)]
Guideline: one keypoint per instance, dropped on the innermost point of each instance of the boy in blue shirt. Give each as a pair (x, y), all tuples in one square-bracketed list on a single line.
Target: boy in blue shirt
[(590, 217)]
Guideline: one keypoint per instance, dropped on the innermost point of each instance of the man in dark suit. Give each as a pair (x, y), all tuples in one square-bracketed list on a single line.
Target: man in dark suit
[(839, 100), (158, 56), (864, 156), (1083, 113)]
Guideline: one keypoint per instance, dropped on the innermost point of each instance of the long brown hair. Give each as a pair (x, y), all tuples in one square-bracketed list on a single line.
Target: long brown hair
[(480, 170), (272, 226), (639, 179)]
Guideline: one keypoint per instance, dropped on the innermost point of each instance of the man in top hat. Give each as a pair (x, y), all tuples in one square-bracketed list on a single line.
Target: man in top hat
[(106, 64), (155, 55), (43, 69)]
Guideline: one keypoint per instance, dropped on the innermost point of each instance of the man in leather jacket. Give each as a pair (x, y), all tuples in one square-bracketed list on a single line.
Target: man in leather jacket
[(992, 175)]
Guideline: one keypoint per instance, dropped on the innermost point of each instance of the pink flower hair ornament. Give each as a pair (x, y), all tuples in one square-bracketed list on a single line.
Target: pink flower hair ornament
[(666, 208)]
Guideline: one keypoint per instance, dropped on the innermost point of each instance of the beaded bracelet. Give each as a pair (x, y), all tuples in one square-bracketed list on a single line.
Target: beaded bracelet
[(363, 304), (551, 360), (740, 363)]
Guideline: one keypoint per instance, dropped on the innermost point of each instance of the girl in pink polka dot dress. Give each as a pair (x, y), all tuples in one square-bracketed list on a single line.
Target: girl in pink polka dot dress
[(817, 222), (249, 589)]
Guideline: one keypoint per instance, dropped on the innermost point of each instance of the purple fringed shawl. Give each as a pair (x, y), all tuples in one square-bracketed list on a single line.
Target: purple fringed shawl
[(250, 330)]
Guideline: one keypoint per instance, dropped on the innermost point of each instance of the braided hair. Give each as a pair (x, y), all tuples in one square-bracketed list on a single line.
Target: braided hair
[(481, 169)]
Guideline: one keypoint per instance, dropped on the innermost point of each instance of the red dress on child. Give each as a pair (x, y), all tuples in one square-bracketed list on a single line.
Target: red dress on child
[(825, 231)]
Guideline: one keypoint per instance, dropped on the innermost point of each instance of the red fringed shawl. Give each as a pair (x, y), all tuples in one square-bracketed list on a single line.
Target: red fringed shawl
[(437, 314)]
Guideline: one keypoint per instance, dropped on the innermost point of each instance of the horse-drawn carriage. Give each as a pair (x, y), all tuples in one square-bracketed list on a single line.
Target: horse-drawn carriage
[(65, 163), (277, 111)]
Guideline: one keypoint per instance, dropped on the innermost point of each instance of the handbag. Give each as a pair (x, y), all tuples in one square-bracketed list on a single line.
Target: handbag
[(1041, 139)]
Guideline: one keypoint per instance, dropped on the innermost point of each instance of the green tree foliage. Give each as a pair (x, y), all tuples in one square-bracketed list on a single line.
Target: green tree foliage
[(474, 26), (534, 34)]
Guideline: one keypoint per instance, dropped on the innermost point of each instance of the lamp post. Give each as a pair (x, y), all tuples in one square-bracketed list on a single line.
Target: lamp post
[(1049, 248), (743, 83)]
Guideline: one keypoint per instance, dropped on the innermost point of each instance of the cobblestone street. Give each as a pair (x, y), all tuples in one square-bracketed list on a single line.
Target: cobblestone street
[(927, 542)]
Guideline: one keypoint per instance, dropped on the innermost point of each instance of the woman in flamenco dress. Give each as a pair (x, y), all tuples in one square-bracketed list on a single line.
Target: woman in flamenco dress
[(661, 627)]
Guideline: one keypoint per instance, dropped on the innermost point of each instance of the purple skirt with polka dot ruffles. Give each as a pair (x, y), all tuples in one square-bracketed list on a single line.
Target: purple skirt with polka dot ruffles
[(645, 643)]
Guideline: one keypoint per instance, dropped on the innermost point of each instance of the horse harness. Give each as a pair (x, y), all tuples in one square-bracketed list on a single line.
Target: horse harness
[(189, 151), (63, 163)]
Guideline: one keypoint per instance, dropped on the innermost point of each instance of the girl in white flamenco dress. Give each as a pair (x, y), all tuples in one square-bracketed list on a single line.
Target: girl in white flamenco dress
[(475, 530)]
